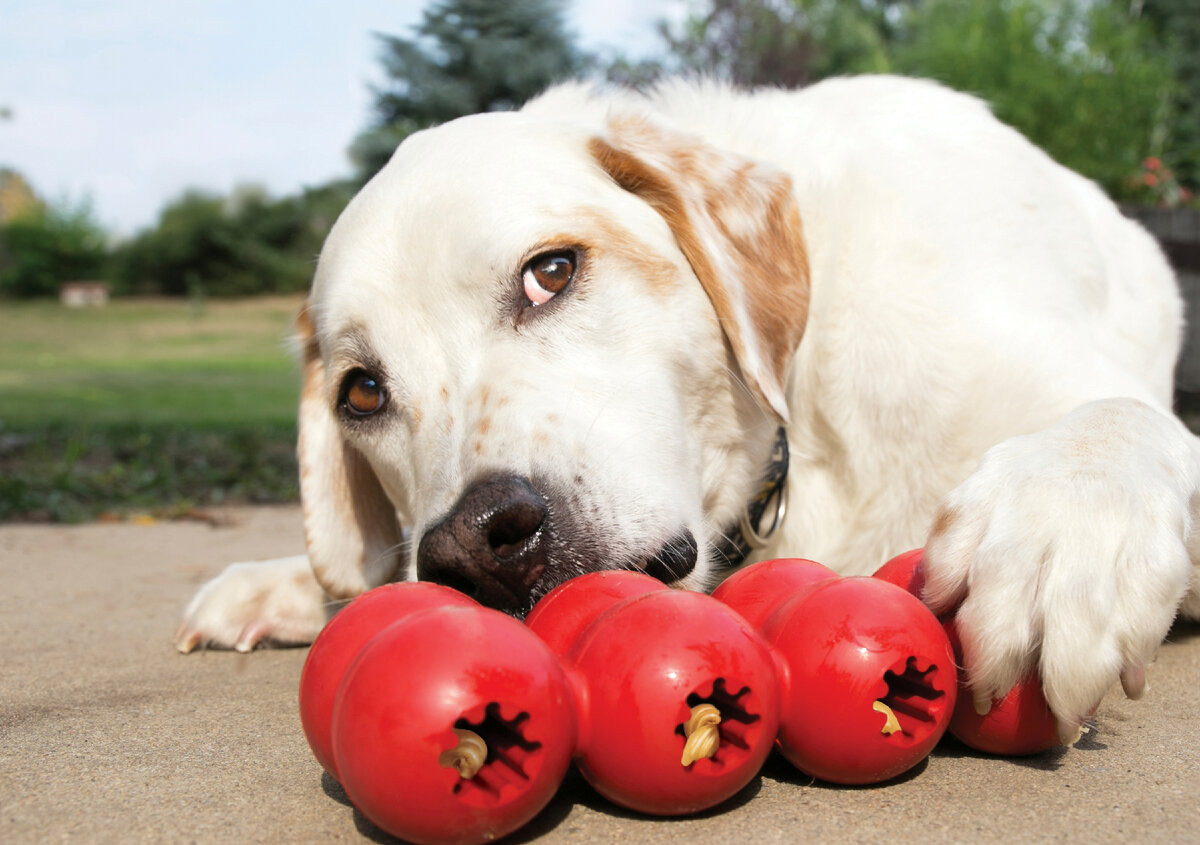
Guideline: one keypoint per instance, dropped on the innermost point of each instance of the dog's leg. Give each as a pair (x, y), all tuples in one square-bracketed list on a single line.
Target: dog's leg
[(1067, 552), (277, 601)]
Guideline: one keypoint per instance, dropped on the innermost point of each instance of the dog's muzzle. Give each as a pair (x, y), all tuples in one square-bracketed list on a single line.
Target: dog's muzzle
[(492, 545), (501, 545)]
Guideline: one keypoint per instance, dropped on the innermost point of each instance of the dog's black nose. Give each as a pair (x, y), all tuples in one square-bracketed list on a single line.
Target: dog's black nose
[(491, 545)]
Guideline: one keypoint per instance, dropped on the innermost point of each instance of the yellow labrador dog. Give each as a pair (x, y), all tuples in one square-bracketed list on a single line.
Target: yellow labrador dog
[(683, 330)]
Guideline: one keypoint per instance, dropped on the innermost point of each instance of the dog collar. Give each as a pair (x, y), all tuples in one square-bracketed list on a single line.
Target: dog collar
[(748, 537)]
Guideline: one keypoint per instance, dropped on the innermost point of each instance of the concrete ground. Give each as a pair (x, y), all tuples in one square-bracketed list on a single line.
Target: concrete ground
[(108, 735)]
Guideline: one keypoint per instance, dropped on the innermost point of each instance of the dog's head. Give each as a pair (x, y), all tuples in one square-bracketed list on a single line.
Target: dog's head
[(546, 350)]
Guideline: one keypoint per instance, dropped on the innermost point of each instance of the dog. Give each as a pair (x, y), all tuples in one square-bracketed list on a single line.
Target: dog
[(683, 330)]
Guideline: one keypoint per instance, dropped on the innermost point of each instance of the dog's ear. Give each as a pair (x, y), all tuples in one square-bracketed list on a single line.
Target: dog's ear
[(737, 223), (350, 526)]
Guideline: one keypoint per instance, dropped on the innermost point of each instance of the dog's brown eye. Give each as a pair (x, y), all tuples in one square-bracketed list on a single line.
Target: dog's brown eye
[(363, 394), (547, 275)]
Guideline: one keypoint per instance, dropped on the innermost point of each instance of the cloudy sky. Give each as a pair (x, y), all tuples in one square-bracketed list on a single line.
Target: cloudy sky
[(130, 102)]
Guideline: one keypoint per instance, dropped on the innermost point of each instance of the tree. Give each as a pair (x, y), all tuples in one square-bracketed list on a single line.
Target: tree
[(1178, 25), (466, 56), (16, 196), (786, 43), (242, 244), (45, 245), (1087, 80), (1084, 80)]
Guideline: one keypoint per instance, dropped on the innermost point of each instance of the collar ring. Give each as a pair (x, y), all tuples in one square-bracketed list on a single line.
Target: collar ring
[(750, 531)]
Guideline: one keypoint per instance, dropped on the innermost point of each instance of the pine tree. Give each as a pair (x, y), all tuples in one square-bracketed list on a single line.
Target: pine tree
[(466, 56)]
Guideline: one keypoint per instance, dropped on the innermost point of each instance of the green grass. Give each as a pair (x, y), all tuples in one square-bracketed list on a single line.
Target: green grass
[(155, 405), (145, 404)]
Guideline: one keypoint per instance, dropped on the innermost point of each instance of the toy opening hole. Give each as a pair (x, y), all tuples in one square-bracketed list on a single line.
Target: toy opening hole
[(907, 707), (733, 717), (506, 753)]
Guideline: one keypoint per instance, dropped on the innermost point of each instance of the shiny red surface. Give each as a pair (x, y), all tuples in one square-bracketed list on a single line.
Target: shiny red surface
[(420, 678), (906, 571), (1018, 724), (844, 645), (340, 642), (640, 669), (758, 589), (562, 614)]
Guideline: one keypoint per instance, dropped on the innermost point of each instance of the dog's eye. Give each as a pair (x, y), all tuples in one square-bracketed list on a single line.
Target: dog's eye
[(362, 395), (547, 275)]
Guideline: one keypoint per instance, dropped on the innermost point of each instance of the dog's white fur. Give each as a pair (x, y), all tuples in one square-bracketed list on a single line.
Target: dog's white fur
[(959, 296)]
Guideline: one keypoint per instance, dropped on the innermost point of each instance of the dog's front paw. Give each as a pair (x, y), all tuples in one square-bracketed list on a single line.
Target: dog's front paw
[(277, 601), (1065, 552)]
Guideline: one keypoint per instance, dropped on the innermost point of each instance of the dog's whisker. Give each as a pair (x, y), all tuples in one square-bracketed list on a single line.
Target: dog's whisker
[(402, 549), (332, 605)]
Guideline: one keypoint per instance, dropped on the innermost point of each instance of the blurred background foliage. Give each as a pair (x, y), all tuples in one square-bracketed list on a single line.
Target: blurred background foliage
[(43, 245), (466, 56), (243, 243), (1106, 86)]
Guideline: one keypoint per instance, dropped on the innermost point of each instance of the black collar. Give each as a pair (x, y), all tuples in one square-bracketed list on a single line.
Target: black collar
[(735, 546)]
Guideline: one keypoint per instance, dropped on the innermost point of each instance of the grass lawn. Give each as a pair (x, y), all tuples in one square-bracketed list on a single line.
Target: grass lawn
[(156, 406), (145, 404)]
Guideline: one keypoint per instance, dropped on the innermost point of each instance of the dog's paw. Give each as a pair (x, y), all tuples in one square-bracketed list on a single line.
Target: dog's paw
[(1065, 552), (276, 601)]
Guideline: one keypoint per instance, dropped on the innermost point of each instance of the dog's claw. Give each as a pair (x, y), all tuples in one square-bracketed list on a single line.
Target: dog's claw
[(186, 640), (251, 636), (1069, 732), (1133, 681)]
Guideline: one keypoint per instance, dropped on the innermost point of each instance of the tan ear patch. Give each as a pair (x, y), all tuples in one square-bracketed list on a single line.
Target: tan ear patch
[(737, 223), (660, 275)]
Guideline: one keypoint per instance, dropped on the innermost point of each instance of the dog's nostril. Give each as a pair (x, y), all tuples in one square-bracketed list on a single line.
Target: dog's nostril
[(504, 544), (510, 530)]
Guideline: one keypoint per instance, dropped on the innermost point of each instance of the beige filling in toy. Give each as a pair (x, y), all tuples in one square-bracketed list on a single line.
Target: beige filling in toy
[(891, 724), (703, 739), (468, 756)]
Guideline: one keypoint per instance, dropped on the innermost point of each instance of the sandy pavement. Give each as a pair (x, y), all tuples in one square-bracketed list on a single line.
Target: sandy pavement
[(108, 735)]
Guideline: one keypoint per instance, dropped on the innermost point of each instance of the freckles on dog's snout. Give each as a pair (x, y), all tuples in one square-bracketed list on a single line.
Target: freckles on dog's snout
[(492, 545)]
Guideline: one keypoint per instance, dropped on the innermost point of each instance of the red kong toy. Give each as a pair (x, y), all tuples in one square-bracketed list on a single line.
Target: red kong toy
[(868, 678), (1019, 723), (340, 642), (561, 615), (454, 725), (905, 570), (759, 589), (867, 674), (679, 703)]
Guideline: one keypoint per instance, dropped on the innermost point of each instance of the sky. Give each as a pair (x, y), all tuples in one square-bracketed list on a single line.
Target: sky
[(128, 103)]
